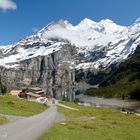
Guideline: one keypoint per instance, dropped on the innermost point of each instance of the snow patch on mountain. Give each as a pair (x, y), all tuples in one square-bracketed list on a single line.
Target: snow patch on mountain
[(100, 43), (14, 60)]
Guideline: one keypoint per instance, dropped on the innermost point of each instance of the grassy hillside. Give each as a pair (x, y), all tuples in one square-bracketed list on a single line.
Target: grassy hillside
[(19, 107), (124, 82), (90, 123)]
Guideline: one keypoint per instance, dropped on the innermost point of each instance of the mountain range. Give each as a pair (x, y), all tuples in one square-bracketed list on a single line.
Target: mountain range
[(62, 53)]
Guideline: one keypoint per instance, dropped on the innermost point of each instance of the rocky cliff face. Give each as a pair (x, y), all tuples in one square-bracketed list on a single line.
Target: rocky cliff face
[(47, 72), (60, 54)]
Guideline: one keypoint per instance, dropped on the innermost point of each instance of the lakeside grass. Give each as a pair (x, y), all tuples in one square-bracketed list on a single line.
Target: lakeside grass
[(11, 105), (3, 120), (90, 123)]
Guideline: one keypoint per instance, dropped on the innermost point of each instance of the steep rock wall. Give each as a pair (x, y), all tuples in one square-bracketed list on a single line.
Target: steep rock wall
[(43, 71)]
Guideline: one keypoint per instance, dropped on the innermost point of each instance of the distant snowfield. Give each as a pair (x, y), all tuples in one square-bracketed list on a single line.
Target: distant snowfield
[(88, 37), (87, 33), (24, 54)]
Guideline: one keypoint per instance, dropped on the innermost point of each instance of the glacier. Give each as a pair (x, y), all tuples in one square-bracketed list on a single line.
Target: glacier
[(100, 44)]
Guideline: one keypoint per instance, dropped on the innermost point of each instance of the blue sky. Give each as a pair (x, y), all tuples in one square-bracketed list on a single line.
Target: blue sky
[(18, 18)]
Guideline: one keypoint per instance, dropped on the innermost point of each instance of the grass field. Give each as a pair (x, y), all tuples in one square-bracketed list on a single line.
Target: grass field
[(90, 123), (19, 107)]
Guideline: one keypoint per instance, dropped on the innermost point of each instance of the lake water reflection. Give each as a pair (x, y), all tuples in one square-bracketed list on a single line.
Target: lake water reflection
[(77, 95)]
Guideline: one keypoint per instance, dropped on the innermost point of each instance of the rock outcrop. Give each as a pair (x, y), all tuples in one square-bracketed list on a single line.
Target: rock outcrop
[(53, 70)]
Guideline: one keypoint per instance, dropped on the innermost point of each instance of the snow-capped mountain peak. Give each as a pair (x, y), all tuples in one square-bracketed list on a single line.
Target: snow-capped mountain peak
[(110, 26), (107, 21), (54, 25), (99, 43), (86, 23), (64, 23)]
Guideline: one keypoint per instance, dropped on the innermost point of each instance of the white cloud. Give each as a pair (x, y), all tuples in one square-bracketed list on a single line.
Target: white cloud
[(7, 5), (34, 29)]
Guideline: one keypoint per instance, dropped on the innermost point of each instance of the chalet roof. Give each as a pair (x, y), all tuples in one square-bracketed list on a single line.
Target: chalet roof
[(15, 92), (40, 92), (33, 94), (35, 89)]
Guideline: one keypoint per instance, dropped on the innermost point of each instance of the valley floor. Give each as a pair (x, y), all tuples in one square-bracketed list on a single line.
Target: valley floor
[(81, 123), (90, 123)]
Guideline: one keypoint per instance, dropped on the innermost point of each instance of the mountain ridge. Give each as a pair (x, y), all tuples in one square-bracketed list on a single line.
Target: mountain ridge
[(58, 52), (88, 36)]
